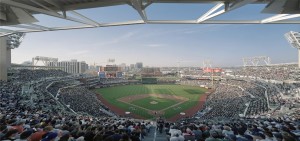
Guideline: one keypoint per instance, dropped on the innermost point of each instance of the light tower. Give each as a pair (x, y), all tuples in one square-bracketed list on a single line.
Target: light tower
[(294, 39), (206, 64), (7, 43)]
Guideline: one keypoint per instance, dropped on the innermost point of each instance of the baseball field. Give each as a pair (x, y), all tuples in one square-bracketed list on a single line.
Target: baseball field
[(149, 101)]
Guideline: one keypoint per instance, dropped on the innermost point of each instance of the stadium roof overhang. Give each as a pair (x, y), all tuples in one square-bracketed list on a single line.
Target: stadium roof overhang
[(20, 13)]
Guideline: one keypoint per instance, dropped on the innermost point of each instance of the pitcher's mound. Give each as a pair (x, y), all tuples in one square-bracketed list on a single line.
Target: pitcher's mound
[(153, 102)]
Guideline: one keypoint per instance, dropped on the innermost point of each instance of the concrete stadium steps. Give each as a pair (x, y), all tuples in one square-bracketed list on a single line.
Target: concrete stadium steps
[(154, 135)]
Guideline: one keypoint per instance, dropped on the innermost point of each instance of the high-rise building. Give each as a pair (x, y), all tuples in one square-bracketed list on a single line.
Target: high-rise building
[(131, 67), (139, 65), (123, 67), (72, 66)]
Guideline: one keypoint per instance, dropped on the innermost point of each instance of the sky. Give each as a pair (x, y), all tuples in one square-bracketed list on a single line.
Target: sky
[(162, 44)]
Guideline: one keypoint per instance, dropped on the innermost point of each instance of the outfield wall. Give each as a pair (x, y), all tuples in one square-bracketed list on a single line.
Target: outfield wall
[(149, 80)]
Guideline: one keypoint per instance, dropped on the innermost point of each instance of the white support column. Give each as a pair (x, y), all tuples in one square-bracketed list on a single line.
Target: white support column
[(8, 57), (3, 59)]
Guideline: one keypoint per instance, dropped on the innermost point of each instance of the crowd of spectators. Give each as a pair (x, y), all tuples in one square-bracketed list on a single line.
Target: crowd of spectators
[(35, 114), (55, 86), (30, 111), (288, 89), (48, 127), (113, 80), (225, 102), (196, 82), (82, 100), (279, 81), (258, 102), (25, 75), (278, 73), (234, 98), (240, 129), (273, 92)]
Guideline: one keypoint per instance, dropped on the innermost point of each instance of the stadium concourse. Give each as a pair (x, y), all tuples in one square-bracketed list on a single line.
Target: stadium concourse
[(248, 104)]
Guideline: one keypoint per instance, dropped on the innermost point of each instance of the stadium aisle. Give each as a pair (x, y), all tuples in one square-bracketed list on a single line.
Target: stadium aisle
[(155, 136)]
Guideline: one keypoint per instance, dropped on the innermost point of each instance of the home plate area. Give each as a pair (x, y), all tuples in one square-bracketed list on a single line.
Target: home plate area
[(155, 104)]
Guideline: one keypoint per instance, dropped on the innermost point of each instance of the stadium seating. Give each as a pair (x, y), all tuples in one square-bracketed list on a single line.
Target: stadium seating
[(45, 105)]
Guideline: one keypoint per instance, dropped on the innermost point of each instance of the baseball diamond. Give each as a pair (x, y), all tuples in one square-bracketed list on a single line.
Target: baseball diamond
[(149, 101)]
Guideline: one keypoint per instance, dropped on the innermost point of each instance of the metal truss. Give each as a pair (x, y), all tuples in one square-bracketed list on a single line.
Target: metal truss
[(293, 38), (207, 64), (14, 40), (60, 10), (255, 61), (45, 60)]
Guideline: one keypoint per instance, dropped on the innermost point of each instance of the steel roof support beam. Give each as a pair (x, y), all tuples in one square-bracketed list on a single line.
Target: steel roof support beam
[(123, 23), (205, 22), (28, 7), (138, 5), (23, 26), (95, 4), (84, 17), (57, 5), (32, 29), (240, 4), (50, 13), (209, 12), (218, 22), (172, 22), (39, 26), (5, 34), (266, 20), (147, 4), (280, 17), (3, 30), (45, 7), (215, 14), (87, 26), (28, 27)]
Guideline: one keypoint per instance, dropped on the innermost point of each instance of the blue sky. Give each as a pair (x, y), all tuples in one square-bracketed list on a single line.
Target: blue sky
[(161, 45)]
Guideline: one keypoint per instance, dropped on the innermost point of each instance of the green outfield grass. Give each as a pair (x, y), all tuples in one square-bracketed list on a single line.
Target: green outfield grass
[(161, 103), (111, 94)]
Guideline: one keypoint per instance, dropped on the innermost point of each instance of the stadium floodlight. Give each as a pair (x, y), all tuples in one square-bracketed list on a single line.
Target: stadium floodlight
[(294, 39), (14, 40), (255, 61)]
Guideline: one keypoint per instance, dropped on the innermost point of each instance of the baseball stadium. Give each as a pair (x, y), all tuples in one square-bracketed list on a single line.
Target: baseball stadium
[(149, 70)]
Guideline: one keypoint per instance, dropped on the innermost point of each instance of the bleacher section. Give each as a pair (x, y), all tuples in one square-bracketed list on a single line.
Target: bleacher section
[(236, 110)]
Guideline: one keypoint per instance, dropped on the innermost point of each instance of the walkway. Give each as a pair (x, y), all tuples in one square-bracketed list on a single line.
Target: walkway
[(155, 136)]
